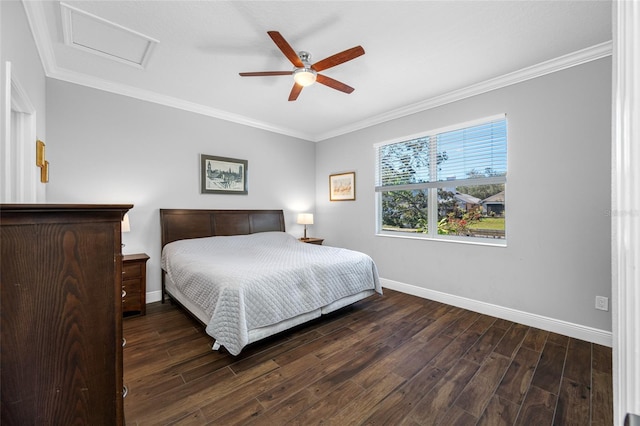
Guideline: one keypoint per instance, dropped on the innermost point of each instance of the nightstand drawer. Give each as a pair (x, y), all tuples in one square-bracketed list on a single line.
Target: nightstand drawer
[(130, 305), (132, 270), (132, 287), (131, 300), (134, 283)]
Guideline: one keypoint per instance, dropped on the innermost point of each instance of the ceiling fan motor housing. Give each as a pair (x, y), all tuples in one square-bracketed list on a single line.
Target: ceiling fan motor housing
[(304, 76), (305, 57)]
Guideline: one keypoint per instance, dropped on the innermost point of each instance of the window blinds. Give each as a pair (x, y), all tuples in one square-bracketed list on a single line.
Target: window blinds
[(464, 154)]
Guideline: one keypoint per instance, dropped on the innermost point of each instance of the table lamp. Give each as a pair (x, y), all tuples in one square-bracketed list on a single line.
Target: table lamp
[(305, 219)]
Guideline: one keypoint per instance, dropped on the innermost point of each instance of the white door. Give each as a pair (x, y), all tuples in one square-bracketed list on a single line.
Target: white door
[(20, 175)]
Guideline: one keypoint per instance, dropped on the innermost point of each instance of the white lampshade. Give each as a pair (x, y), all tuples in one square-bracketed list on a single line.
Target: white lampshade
[(305, 218), (125, 227)]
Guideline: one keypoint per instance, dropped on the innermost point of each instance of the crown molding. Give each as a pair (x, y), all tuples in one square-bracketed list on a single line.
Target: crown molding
[(553, 65), (37, 22), (40, 30), (150, 96)]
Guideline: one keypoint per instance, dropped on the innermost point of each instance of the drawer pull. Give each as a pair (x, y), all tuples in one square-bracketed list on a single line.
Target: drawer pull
[(124, 293), (125, 391), (124, 342)]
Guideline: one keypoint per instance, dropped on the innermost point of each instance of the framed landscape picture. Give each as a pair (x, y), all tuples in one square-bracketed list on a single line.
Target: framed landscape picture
[(222, 175), (342, 187)]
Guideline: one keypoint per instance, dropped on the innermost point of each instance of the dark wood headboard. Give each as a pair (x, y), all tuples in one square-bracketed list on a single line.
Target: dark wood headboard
[(181, 224)]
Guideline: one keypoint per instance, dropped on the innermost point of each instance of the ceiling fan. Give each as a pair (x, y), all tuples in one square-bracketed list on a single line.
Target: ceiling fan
[(305, 73)]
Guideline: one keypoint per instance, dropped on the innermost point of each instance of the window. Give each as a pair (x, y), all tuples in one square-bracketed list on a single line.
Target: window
[(448, 184)]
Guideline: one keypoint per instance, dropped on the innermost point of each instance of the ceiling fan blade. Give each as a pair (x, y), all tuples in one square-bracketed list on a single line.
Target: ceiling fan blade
[(295, 92), (338, 58), (334, 84), (285, 48), (264, 73)]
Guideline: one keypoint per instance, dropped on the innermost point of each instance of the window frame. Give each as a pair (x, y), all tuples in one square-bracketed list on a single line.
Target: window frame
[(433, 186)]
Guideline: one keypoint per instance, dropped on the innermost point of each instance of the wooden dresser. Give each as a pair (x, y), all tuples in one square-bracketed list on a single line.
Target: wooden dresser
[(61, 284)]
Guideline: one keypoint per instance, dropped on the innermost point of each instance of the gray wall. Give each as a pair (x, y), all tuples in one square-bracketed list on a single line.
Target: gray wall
[(112, 149), (558, 253), (107, 148)]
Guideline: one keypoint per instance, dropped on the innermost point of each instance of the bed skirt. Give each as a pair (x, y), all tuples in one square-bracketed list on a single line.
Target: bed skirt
[(263, 332)]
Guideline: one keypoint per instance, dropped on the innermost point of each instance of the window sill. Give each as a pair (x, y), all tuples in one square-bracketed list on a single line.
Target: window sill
[(489, 242)]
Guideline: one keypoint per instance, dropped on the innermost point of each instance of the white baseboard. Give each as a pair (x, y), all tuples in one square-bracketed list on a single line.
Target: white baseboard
[(576, 331), (154, 296), (565, 328)]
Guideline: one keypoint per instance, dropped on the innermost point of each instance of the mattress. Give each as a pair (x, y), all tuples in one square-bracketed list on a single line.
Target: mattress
[(242, 285)]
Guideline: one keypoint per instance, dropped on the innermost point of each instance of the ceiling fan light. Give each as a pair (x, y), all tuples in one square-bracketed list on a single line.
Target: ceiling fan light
[(304, 76)]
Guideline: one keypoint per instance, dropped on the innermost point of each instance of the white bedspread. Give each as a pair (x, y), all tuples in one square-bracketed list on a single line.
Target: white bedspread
[(248, 281)]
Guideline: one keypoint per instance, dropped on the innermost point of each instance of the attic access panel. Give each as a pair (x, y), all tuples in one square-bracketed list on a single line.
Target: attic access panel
[(101, 37)]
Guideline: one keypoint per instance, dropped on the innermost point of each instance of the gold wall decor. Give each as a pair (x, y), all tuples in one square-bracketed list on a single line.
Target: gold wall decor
[(40, 153), (44, 172), (42, 162)]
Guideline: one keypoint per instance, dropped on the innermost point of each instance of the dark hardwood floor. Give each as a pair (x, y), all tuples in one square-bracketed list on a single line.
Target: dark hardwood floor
[(390, 360)]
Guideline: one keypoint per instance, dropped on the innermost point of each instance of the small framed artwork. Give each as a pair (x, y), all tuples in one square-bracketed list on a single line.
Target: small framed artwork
[(342, 187), (222, 175)]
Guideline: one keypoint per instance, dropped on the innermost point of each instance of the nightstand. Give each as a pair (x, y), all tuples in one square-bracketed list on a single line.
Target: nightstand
[(311, 240), (134, 283)]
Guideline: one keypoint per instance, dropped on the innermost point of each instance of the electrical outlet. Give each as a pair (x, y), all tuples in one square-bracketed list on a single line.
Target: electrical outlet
[(602, 303)]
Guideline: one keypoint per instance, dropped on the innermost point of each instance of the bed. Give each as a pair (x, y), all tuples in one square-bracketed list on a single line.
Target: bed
[(244, 278)]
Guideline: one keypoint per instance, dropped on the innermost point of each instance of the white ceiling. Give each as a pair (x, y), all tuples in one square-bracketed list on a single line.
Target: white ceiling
[(418, 54)]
